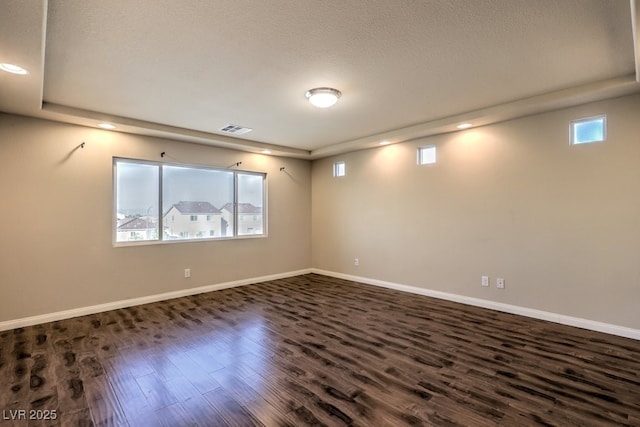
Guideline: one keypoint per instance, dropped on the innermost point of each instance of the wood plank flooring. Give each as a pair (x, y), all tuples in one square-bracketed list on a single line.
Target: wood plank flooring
[(315, 351)]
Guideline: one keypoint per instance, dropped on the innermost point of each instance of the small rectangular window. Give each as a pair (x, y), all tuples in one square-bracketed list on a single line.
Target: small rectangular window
[(339, 169), (426, 155), (591, 129)]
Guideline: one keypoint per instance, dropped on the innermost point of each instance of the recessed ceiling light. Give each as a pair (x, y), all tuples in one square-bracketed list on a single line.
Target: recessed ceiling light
[(464, 126), (266, 151), (385, 143), (323, 97), (108, 126), (12, 68)]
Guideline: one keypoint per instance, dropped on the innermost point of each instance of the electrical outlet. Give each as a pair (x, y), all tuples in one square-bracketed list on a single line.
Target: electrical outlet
[(356, 262), (500, 283), (485, 281), (187, 272)]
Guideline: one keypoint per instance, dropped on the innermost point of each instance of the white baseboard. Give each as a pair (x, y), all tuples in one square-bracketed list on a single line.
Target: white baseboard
[(593, 325), (83, 311)]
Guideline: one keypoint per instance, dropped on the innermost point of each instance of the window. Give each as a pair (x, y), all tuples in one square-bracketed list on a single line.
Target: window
[(339, 169), (137, 204), (250, 189), (591, 129), (426, 155), (163, 202)]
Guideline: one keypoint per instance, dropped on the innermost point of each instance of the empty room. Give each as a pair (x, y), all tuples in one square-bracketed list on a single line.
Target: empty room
[(306, 213)]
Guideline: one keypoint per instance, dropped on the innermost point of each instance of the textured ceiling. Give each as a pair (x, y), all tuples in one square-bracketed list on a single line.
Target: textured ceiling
[(191, 67)]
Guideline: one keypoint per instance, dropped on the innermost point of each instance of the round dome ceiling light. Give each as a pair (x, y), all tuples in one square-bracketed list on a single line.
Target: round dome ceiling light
[(107, 126), (12, 68), (323, 97)]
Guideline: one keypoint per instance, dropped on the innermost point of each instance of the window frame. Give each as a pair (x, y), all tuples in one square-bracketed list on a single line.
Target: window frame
[(572, 132), (420, 156), (340, 166), (161, 240)]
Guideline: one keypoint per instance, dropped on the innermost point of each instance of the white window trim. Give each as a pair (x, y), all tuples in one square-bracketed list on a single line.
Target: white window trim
[(419, 155), (585, 120), (336, 169)]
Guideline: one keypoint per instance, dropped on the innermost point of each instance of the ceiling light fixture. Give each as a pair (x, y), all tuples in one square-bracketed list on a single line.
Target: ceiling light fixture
[(266, 151), (12, 68), (385, 143), (107, 126), (464, 126), (323, 97)]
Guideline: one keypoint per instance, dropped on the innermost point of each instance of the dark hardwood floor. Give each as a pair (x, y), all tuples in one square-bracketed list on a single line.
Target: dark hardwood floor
[(313, 350)]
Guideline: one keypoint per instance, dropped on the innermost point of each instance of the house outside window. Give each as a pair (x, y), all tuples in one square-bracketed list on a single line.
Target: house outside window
[(250, 218)]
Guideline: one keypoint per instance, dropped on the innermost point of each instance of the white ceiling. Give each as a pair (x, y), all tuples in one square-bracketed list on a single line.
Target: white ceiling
[(406, 68)]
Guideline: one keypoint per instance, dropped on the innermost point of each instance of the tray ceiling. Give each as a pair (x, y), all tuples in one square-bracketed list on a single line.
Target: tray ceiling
[(406, 69)]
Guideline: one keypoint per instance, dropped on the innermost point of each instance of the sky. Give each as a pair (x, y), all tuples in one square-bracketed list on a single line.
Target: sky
[(137, 187)]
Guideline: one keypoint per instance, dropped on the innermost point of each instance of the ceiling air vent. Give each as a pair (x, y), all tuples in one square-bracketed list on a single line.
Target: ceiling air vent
[(235, 129)]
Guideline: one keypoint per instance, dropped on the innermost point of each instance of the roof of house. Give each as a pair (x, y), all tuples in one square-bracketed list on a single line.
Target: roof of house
[(196, 208), (243, 208), (136, 223)]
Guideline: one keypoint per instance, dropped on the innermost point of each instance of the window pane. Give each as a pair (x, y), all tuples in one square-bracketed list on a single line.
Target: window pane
[(136, 201), (426, 155), (197, 203), (250, 204), (339, 169), (588, 130)]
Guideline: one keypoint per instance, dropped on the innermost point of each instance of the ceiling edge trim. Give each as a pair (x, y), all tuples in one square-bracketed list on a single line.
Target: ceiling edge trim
[(82, 117), (635, 21), (523, 107), (43, 47)]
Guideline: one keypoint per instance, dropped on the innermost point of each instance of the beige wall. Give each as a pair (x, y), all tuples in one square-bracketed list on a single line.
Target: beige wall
[(561, 224), (56, 249)]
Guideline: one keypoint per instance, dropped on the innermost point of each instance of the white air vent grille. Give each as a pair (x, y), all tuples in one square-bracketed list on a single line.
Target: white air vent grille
[(235, 129)]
